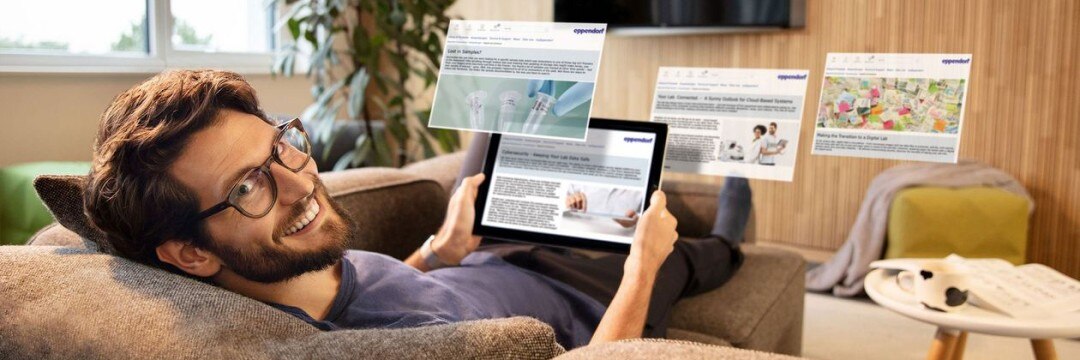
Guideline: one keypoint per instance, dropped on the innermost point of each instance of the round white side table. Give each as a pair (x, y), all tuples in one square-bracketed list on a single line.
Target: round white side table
[(953, 327)]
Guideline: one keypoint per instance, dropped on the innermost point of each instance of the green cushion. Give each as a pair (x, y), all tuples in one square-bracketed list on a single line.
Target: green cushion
[(976, 222), (21, 212)]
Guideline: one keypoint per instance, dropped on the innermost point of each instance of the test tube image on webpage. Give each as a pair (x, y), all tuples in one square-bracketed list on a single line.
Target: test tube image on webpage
[(546, 108)]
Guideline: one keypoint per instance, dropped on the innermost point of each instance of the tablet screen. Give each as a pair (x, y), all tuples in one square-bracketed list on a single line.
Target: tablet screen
[(592, 189)]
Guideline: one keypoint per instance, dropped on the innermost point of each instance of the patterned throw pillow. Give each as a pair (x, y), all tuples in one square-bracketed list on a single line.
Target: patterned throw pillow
[(63, 196)]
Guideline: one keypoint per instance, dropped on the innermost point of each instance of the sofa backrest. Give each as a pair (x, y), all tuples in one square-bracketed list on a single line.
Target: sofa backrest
[(78, 304), (75, 302)]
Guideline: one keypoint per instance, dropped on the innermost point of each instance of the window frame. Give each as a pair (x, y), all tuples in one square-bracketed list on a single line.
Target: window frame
[(160, 55)]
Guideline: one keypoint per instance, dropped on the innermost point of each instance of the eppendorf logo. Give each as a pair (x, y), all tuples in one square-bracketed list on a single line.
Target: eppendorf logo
[(791, 76), (955, 61), (637, 140), (589, 31)]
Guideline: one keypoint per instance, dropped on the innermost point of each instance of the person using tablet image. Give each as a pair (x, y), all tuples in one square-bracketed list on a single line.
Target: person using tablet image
[(773, 146), (622, 205), (190, 176)]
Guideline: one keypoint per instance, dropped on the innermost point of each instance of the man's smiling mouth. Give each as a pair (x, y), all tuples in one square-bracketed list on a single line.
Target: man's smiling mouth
[(305, 219)]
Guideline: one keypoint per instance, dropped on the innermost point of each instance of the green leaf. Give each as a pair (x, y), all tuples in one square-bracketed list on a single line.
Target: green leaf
[(328, 93), (284, 20), (328, 119), (294, 28), (361, 44), (309, 35), (361, 149), (322, 51), (379, 40), (429, 151), (357, 85), (383, 149), (381, 80), (309, 113), (279, 62)]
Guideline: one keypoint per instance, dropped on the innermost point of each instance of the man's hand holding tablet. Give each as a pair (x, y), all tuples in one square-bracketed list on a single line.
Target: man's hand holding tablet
[(654, 238)]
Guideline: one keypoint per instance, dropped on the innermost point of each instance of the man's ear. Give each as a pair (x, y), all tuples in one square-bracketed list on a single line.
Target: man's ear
[(187, 257)]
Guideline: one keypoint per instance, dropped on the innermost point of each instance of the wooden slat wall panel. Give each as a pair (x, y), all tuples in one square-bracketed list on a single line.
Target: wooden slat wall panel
[(1023, 110)]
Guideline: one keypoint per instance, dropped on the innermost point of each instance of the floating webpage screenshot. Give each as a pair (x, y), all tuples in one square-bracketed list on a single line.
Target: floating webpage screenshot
[(527, 78), (892, 106), (731, 122), (593, 189)]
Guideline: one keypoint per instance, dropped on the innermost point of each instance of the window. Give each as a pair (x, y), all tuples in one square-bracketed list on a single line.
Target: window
[(231, 26), (136, 35)]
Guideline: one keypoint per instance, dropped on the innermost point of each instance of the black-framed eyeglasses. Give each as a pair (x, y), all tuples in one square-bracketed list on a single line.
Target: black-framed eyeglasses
[(254, 193)]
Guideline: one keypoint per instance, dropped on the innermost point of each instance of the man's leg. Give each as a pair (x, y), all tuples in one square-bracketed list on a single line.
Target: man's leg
[(695, 266)]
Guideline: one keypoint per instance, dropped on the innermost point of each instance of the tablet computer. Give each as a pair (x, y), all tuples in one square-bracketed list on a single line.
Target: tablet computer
[(571, 193)]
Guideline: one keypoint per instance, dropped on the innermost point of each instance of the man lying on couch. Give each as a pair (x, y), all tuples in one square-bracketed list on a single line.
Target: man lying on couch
[(190, 176)]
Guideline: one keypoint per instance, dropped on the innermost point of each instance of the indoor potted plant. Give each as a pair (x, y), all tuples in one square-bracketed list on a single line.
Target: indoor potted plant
[(395, 46)]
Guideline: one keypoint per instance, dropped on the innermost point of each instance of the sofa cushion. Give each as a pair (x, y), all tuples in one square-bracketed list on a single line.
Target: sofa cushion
[(63, 196), (57, 235), (693, 336), (765, 295), (69, 303)]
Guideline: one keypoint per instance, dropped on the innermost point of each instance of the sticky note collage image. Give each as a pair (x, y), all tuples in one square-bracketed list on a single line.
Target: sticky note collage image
[(893, 104)]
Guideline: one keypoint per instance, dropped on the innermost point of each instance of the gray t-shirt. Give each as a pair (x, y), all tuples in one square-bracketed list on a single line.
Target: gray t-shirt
[(378, 291), (772, 143)]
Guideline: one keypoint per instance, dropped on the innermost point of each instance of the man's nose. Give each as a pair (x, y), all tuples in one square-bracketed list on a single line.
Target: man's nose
[(292, 186)]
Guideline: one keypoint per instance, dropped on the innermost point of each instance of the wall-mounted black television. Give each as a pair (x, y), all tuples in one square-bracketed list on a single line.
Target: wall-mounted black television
[(675, 17)]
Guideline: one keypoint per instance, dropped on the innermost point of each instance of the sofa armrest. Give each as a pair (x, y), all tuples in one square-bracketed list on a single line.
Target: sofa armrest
[(443, 169), (760, 308), (665, 349), (57, 235), (394, 210)]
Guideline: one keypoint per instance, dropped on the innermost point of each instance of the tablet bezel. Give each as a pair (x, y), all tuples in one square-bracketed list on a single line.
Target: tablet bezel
[(539, 238)]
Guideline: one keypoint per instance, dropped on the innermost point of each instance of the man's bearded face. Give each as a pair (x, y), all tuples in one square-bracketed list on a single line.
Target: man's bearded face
[(304, 231)]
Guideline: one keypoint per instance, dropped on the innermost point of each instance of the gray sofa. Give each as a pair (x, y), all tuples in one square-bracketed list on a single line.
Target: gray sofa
[(62, 298)]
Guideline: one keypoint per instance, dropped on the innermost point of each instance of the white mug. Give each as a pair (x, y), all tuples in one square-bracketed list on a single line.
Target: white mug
[(937, 286)]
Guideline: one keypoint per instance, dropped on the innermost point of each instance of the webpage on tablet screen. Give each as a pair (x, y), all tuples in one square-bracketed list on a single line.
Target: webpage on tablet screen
[(593, 189)]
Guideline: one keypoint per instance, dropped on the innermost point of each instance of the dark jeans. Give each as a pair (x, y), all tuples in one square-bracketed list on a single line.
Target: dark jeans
[(695, 266)]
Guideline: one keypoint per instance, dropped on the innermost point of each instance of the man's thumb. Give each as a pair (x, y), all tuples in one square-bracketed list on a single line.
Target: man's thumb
[(478, 179), (659, 200)]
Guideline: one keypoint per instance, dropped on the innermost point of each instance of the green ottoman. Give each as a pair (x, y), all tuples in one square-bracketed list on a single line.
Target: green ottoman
[(21, 212), (975, 222)]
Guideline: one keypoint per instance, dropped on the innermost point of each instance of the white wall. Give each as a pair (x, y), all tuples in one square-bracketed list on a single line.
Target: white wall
[(47, 117)]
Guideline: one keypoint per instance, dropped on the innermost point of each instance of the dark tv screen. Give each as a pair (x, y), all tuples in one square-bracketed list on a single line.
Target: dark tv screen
[(675, 13)]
